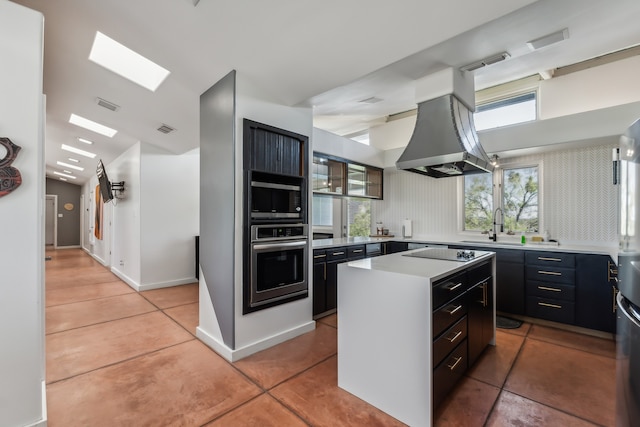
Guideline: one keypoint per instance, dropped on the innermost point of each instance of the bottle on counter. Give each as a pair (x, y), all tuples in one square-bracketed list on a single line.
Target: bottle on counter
[(523, 239)]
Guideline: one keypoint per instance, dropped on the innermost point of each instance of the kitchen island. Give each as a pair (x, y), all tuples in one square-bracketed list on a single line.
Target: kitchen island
[(408, 328)]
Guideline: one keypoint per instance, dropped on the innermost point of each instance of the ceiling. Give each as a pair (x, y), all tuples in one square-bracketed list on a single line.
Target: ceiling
[(328, 55)]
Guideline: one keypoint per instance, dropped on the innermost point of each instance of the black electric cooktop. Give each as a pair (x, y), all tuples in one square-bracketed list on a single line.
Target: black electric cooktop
[(444, 254)]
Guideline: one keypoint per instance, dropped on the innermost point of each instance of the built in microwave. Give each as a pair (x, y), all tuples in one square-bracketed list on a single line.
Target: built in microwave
[(273, 198)]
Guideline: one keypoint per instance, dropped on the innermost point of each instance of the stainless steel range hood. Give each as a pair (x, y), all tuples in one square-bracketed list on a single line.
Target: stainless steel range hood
[(444, 142)]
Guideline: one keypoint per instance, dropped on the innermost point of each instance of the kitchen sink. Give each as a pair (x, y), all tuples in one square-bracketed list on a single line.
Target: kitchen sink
[(491, 242)]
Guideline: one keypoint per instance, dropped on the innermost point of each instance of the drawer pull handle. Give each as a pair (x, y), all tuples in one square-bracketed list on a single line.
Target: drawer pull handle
[(319, 256), (457, 360), (550, 273), (546, 304), (453, 287), (544, 258), (451, 312), (546, 288), (338, 253), (357, 251), (455, 337)]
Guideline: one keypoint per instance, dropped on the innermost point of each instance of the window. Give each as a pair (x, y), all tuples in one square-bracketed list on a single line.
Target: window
[(322, 214), (359, 217), (518, 200), (517, 109)]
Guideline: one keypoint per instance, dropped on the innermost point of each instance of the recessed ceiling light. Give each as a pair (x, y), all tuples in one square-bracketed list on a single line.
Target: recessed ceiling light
[(62, 179), (78, 151), (64, 174), (67, 165), (125, 62), (92, 126), (71, 159), (86, 141)]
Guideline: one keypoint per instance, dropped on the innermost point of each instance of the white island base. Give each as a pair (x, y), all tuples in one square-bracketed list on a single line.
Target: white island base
[(385, 331)]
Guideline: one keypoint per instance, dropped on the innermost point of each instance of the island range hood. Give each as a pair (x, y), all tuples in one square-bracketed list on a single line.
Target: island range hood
[(444, 142)]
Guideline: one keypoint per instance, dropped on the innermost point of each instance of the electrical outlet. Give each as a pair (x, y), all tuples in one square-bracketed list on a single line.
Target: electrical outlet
[(122, 262)]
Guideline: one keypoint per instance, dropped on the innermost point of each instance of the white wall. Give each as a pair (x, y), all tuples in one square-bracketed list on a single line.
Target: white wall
[(330, 143), (22, 212), (271, 323), (169, 205), (579, 201)]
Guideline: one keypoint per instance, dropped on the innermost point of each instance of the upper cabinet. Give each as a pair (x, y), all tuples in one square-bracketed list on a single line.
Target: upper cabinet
[(342, 177), (273, 150)]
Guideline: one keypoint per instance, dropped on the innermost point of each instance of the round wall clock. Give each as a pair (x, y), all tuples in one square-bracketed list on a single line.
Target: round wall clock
[(68, 206)]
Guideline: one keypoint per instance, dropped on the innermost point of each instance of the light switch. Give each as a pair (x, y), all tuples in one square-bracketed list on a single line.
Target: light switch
[(59, 215)]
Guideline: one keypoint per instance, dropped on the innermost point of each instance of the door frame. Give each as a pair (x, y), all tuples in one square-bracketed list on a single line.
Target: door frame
[(53, 197)]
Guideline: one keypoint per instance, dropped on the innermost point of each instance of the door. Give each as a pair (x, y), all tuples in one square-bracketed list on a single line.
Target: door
[(50, 221)]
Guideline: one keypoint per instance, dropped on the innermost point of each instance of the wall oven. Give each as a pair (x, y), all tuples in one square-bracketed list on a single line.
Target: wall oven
[(273, 197), (278, 265)]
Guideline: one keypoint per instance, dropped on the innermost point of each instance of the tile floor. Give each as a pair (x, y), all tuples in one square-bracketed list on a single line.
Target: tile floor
[(120, 358)]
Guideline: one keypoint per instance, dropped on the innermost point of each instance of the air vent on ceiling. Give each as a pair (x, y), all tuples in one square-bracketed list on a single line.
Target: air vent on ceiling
[(106, 104), (166, 128), (486, 61)]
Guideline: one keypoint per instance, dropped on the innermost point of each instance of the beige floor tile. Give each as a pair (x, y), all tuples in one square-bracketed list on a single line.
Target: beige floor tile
[(564, 338), (572, 381), (173, 296), (468, 404), (276, 364), (86, 292), (316, 397), (184, 385), (496, 361), (81, 350), (75, 315), (186, 315), (514, 410), (263, 411), (330, 320), (523, 330)]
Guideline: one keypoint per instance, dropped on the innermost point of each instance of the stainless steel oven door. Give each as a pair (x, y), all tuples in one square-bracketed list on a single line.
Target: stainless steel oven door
[(278, 271)]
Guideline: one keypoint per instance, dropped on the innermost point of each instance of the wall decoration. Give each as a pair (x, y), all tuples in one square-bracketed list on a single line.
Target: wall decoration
[(97, 229), (68, 206), (10, 177)]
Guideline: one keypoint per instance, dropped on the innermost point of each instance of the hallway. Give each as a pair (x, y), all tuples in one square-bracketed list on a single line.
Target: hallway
[(115, 357)]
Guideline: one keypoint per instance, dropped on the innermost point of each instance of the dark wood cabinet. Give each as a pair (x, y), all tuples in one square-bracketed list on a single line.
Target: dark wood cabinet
[(479, 299), (341, 177), (510, 286), (394, 247), (319, 281), (595, 293), (273, 150)]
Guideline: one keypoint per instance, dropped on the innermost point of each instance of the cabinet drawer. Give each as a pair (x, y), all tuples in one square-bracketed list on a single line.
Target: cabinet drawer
[(447, 289), (448, 314), (447, 374), (449, 340), (557, 259), (335, 254), (319, 255), (551, 274), (510, 255), (373, 249), (478, 274), (561, 291), (551, 309), (355, 252)]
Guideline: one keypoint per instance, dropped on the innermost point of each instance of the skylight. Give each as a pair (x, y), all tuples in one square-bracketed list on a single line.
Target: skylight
[(126, 63), (78, 151), (510, 111), (92, 126), (67, 165), (86, 141)]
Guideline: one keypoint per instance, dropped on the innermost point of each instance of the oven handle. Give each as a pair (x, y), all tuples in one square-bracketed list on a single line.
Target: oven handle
[(627, 311), (279, 245)]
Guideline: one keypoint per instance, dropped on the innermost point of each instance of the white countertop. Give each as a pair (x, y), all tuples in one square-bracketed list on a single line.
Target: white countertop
[(420, 267), (474, 241)]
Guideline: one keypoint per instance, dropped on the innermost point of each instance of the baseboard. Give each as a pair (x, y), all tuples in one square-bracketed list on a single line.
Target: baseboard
[(126, 279), (42, 422), (168, 284), (97, 258), (240, 353), (69, 247)]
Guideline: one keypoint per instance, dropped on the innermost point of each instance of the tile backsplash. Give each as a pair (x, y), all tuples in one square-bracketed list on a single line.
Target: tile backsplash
[(578, 199)]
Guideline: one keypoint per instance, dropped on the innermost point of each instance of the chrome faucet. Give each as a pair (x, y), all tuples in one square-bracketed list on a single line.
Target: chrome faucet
[(494, 237)]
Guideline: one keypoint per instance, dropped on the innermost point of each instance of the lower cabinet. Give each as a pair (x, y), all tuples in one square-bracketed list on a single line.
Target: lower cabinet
[(462, 325), (595, 292), (510, 287)]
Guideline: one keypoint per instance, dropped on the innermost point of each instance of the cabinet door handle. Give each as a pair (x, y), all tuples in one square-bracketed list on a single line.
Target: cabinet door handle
[(547, 288), (550, 273), (455, 309), (319, 256), (546, 304), (485, 292), (615, 294), (455, 337), (452, 286), (325, 271), (543, 258), (357, 251), (338, 253), (453, 366)]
